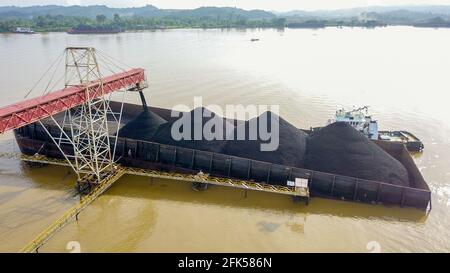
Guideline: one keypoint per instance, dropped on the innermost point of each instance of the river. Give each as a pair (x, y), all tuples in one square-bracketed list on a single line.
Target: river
[(401, 72)]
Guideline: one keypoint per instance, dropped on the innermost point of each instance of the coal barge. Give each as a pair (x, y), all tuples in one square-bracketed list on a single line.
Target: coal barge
[(95, 30), (131, 152)]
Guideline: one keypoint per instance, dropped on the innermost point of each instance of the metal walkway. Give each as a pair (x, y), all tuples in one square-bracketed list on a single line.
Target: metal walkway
[(45, 235), (206, 179), (225, 182), (109, 180)]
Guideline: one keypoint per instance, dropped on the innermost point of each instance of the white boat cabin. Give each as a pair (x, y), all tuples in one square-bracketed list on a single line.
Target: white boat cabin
[(359, 119)]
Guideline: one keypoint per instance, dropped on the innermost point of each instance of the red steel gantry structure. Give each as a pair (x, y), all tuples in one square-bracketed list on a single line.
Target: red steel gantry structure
[(85, 104)]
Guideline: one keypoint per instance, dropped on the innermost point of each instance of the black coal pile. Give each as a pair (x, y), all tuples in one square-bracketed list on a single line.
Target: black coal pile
[(291, 148), (340, 149), (217, 145), (143, 127)]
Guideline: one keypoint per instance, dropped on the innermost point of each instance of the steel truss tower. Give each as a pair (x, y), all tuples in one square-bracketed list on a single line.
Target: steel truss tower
[(86, 127)]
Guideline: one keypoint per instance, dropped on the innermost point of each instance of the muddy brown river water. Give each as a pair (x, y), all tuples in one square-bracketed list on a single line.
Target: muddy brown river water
[(401, 72)]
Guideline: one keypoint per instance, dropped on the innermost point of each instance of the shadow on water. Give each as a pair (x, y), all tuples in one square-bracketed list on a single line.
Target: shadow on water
[(416, 155), (49, 177), (140, 187), (170, 190), (144, 229), (141, 221)]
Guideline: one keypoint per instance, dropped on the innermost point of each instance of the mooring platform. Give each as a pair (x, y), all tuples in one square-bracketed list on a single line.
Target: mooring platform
[(111, 178), (206, 179)]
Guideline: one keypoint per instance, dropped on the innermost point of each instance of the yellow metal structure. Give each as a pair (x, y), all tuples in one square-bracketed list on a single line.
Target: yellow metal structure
[(45, 235), (110, 178), (226, 182), (206, 179)]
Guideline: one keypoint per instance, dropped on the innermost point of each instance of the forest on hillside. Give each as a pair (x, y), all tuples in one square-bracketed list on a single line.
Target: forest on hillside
[(61, 18)]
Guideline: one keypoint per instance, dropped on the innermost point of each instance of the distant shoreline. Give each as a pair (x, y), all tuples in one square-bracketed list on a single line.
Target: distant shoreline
[(225, 28), (54, 18)]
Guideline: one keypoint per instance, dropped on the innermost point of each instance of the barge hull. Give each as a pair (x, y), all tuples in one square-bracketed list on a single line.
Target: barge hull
[(32, 140)]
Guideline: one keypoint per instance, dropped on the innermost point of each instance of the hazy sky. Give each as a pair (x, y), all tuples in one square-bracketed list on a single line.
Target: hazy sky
[(281, 5)]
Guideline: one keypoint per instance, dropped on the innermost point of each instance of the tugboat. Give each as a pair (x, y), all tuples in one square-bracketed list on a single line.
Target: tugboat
[(23, 30), (361, 120)]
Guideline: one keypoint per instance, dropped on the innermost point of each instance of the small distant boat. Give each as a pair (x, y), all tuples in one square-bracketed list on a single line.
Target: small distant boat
[(363, 122), (93, 30), (254, 40), (23, 30)]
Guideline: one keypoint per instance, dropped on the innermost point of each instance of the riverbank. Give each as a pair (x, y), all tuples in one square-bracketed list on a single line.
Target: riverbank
[(234, 28), (62, 18)]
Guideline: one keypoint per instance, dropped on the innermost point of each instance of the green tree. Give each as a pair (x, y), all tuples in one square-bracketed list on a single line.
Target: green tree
[(279, 22), (116, 18), (40, 21), (101, 19)]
